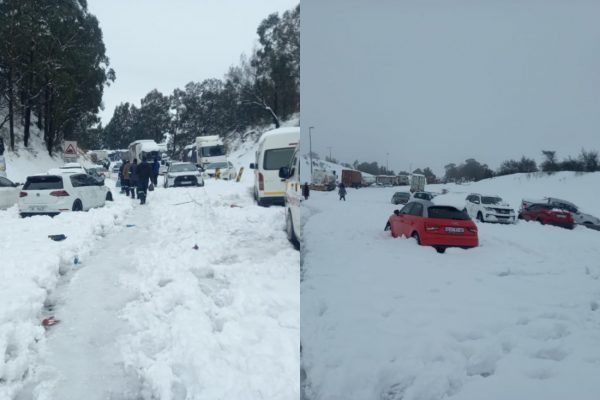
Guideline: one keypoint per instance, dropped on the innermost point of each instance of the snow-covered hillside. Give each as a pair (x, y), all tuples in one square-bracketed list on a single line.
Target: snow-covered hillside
[(517, 317)]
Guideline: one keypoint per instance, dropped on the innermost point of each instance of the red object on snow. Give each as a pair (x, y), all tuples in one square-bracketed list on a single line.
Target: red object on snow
[(434, 225), (47, 322)]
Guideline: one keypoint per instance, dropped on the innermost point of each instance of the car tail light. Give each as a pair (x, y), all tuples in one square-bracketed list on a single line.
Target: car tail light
[(23, 194), (59, 193), (431, 228), (261, 181)]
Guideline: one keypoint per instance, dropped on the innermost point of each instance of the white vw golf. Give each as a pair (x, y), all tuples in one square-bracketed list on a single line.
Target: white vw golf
[(52, 194)]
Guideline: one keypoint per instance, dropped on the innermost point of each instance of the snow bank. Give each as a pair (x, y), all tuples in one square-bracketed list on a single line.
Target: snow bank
[(517, 317), (220, 321), (30, 268)]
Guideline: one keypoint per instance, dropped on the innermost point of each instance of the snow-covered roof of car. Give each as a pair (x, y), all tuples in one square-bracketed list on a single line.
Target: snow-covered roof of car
[(63, 171)]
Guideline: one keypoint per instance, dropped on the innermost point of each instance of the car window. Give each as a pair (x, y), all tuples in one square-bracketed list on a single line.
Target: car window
[(564, 206), (446, 212), (79, 180), (491, 200), (277, 158), (43, 183), (5, 182), (407, 208), (417, 210), (182, 167)]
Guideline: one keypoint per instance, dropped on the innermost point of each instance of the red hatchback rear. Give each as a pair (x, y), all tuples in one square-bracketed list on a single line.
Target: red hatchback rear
[(545, 214), (434, 225)]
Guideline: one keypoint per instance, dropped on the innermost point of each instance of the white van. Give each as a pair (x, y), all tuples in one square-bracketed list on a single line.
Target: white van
[(275, 150), (293, 198)]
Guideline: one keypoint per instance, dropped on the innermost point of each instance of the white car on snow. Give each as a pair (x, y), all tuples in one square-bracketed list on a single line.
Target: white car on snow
[(226, 170), (9, 193), (489, 209), (54, 193), (183, 174)]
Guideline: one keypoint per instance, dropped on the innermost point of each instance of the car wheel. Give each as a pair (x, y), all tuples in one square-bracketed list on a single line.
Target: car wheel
[(261, 202), (415, 236), (440, 249), (289, 229), (109, 196), (480, 217), (77, 205), (541, 221)]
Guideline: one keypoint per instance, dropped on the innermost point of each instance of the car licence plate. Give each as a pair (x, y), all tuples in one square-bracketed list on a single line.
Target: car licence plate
[(37, 208), (451, 229), (561, 216)]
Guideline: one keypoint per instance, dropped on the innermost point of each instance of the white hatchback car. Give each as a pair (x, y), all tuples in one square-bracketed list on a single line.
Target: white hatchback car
[(52, 194), (9, 193), (489, 209)]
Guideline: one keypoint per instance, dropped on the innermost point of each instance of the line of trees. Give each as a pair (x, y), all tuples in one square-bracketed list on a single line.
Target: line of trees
[(263, 88), (473, 170), (53, 69)]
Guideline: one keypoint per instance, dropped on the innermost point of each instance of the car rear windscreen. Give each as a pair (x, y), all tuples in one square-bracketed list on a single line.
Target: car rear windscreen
[(43, 183), (446, 213), (277, 158)]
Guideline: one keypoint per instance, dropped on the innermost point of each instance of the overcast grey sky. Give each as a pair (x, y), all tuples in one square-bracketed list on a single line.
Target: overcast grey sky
[(432, 82), (165, 44)]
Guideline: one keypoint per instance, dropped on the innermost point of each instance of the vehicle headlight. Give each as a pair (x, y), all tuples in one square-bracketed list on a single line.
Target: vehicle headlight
[(488, 208)]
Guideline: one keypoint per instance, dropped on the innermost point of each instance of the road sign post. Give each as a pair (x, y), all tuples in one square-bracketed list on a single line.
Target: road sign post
[(70, 150)]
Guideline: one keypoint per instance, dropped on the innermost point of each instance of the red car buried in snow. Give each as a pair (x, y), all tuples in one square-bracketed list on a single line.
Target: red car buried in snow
[(434, 225), (547, 214)]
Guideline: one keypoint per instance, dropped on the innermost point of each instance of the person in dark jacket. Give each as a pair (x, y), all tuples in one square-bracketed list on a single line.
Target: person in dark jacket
[(143, 172), (342, 191), (155, 171), (133, 178), (121, 177), (305, 190), (126, 183)]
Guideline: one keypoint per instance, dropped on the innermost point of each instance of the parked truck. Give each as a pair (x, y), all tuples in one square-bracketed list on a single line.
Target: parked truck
[(144, 149), (210, 149), (417, 183), (351, 178)]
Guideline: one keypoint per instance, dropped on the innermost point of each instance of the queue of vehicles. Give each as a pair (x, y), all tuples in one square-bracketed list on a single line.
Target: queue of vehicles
[(443, 226)]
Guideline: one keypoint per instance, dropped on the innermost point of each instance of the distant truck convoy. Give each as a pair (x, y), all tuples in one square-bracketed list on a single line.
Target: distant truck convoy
[(417, 183), (144, 148), (210, 149), (351, 178)]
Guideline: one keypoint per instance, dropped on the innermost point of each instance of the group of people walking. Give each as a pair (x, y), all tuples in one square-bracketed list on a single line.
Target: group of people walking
[(136, 178)]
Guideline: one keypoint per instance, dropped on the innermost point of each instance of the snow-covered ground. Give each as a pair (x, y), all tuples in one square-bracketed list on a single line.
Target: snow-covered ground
[(517, 317), (193, 296)]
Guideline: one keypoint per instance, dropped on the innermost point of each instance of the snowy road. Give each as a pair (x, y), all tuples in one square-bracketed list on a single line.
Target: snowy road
[(197, 299), (516, 318)]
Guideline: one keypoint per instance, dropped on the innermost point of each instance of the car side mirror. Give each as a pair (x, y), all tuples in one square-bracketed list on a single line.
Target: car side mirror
[(284, 172), (396, 212), (253, 166), (16, 184)]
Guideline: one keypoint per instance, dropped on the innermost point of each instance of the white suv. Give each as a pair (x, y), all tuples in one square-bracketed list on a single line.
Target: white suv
[(489, 209), (293, 198)]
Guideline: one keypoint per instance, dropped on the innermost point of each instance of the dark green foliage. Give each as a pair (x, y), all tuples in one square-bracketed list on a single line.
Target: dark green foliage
[(525, 165), (470, 170), (53, 67)]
